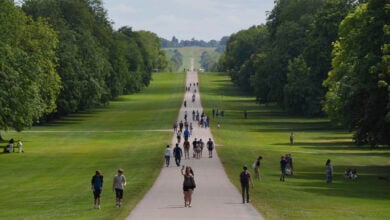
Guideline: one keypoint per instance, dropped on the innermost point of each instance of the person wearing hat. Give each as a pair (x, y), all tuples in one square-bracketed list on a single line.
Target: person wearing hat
[(245, 179), (118, 186)]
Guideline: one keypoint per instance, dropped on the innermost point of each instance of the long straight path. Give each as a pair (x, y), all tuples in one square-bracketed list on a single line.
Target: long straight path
[(215, 197)]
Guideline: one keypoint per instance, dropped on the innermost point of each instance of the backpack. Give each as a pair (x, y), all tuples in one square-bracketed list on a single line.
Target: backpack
[(244, 178)]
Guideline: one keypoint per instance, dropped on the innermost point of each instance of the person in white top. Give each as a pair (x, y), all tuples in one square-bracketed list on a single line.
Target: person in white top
[(167, 155), (118, 186), (20, 146)]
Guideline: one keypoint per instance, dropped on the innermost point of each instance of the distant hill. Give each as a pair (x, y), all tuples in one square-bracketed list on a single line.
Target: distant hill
[(192, 52), (175, 43)]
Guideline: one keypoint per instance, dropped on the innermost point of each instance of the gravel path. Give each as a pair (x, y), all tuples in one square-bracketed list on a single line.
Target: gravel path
[(215, 197)]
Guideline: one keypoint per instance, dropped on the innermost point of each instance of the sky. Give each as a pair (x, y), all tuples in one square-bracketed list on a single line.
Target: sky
[(187, 19)]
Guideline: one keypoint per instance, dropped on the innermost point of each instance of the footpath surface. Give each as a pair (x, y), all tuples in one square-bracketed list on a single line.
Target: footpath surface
[(215, 197)]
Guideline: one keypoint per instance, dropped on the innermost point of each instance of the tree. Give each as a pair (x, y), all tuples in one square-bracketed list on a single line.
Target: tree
[(358, 84), (29, 84)]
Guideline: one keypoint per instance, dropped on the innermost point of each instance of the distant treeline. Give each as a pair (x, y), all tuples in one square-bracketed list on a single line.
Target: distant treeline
[(320, 56), (63, 56), (175, 43)]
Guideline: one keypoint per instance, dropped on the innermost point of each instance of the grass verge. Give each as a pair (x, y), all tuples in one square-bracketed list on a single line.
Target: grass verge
[(305, 195), (51, 180)]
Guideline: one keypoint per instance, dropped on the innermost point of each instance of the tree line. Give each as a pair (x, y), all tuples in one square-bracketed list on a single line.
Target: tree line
[(175, 43), (63, 56), (316, 57)]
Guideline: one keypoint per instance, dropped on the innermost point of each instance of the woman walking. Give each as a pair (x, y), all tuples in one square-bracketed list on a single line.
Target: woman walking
[(188, 185), (329, 172), (257, 167)]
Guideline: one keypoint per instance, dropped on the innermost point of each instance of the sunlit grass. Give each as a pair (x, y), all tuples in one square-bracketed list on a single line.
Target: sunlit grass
[(305, 195), (51, 180)]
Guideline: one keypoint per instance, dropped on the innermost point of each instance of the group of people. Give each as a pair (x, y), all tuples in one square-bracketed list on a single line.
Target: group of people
[(10, 148), (197, 147), (350, 174), (118, 185)]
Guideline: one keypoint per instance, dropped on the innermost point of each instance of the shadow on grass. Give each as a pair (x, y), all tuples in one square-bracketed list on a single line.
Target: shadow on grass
[(373, 183), (285, 126), (71, 119)]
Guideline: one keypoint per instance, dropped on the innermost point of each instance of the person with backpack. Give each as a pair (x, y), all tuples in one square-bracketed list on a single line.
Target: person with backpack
[(97, 187), (210, 147), (178, 153), (245, 179)]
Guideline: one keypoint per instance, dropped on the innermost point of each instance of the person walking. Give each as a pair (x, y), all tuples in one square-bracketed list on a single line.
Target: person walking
[(167, 155), (186, 134), (97, 187), (210, 147), (186, 146), (283, 164), (178, 136), (118, 185), (188, 185), (245, 180), (175, 125), (178, 153), (257, 167), (329, 171), (292, 138)]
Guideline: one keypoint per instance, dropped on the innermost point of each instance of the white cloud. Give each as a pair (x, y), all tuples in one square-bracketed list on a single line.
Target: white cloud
[(201, 19)]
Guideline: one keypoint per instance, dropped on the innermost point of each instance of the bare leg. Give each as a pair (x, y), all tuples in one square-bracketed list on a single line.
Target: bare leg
[(189, 197)]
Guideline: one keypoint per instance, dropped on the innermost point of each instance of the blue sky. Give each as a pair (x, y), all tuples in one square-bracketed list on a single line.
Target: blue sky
[(187, 19)]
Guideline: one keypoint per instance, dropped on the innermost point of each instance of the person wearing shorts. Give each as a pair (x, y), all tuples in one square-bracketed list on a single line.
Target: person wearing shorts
[(118, 186), (188, 185), (97, 187)]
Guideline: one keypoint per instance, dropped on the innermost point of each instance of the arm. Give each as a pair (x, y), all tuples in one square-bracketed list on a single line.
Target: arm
[(124, 181), (250, 180), (182, 171)]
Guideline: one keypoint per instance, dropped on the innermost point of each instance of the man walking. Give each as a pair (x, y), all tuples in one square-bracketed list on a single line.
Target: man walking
[(210, 147), (97, 187), (245, 179), (167, 155), (118, 185), (178, 154)]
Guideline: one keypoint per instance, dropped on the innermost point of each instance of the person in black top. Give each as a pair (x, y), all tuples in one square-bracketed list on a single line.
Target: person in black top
[(97, 187), (178, 153)]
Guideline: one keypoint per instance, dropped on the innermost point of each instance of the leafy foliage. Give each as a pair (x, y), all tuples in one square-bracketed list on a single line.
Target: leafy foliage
[(29, 83), (358, 83)]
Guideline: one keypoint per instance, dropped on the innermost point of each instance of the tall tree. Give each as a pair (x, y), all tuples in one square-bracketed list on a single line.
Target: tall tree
[(29, 84), (358, 95)]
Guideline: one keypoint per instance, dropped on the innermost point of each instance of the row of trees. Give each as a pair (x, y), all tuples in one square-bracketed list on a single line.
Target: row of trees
[(62, 56), (174, 43), (209, 61), (315, 57)]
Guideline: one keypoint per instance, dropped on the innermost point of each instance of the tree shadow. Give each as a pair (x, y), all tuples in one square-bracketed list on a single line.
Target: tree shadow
[(286, 126), (372, 183), (71, 119)]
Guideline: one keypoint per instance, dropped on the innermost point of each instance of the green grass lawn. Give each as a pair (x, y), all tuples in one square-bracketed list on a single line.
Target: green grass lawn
[(305, 195), (51, 180)]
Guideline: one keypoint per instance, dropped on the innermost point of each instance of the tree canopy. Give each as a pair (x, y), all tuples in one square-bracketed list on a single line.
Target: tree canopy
[(63, 56), (316, 57)]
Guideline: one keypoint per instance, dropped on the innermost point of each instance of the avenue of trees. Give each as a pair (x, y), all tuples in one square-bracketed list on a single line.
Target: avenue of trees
[(316, 57), (63, 56)]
